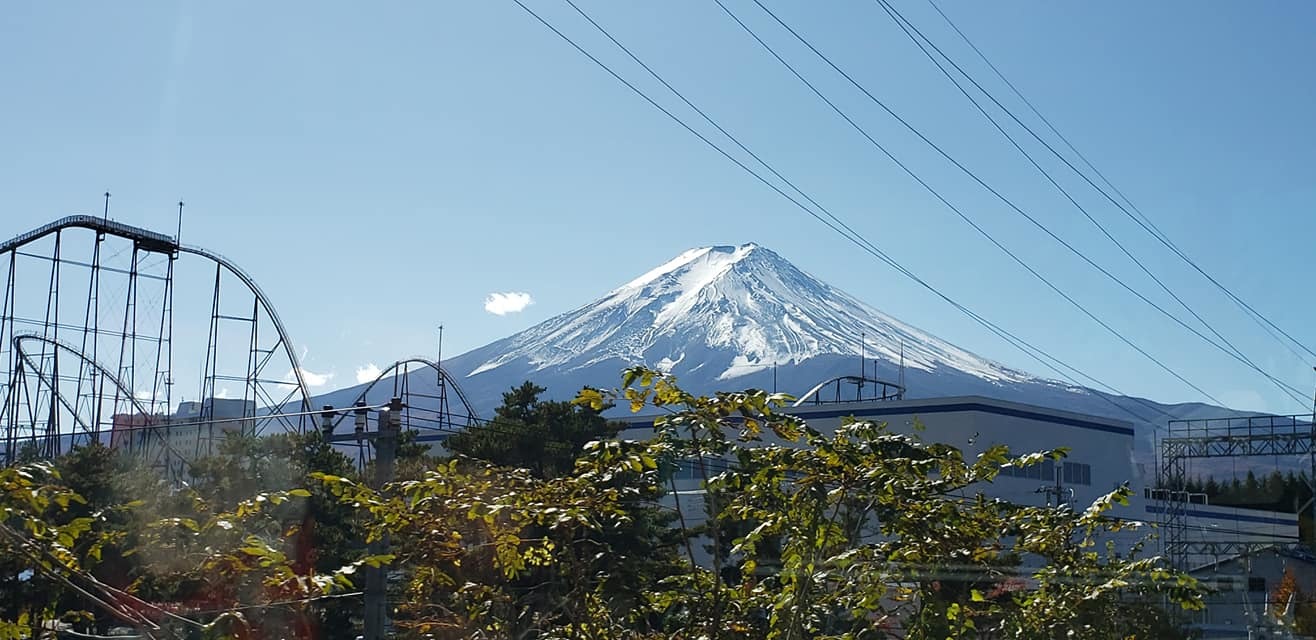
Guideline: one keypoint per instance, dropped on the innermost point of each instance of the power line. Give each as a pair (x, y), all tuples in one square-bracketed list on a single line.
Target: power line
[(834, 223), (1140, 218), (1012, 339), (915, 34), (951, 206), (1294, 393)]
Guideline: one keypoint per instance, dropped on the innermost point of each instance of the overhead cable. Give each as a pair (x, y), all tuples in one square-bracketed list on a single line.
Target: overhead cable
[(1224, 344), (834, 223), (959, 212)]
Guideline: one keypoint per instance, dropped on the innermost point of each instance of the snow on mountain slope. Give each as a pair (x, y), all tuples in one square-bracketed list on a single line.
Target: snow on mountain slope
[(732, 310), (720, 317)]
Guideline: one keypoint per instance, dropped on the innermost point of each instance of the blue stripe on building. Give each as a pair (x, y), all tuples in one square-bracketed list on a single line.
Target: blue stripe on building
[(1216, 515)]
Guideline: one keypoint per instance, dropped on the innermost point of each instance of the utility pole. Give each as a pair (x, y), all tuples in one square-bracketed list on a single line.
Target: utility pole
[(327, 422), (376, 596), (863, 364), (1057, 489), (1311, 476)]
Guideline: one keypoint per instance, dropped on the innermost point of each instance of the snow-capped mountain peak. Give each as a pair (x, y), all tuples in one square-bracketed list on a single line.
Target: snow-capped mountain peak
[(728, 311), (720, 317)]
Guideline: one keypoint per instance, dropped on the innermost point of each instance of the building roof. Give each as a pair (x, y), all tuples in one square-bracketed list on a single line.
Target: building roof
[(952, 404)]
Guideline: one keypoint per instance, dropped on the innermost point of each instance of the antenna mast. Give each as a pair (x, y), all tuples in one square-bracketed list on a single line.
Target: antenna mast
[(863, 364), (178, 237), (902, 369), (439, 361)]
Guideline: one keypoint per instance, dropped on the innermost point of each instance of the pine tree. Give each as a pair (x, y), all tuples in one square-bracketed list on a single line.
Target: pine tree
[(543, 436)]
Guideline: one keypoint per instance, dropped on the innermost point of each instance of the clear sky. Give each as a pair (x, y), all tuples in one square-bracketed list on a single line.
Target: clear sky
[(422, 155)]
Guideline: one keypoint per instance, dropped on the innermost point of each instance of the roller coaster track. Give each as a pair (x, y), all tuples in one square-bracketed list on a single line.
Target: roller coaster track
[(121, 389), (883, 390), (160, 243), (44, 408), (446, 381)]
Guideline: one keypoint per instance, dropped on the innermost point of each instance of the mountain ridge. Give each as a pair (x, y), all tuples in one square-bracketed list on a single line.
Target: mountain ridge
[(742, 316), (744, 300)]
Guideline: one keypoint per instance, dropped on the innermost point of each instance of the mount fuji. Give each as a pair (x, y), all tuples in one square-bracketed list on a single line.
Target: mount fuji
[(721, 317)]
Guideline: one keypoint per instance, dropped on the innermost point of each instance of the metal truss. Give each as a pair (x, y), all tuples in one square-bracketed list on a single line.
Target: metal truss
[(1224, 549), (88, 342), (1248, 436), (433, 408)]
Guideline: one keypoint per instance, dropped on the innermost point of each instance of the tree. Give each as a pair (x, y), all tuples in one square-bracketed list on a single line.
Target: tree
[(98, 540), (875, 534), (543, 436), (320, 535), (883, 535), (468, 533), (37, 553)]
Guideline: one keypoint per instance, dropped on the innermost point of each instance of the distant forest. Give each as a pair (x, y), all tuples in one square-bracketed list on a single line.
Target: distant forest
[(1277, 491), (1284, 492)]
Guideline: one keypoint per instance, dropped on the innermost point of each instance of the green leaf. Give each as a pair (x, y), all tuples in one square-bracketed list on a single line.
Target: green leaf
[(378, 561)]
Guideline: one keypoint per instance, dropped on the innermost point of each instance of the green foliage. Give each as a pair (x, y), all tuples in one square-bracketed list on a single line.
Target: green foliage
[(38, 545), (543, 436), (858, 533), (878, 534), (263, 532), (227, 540)]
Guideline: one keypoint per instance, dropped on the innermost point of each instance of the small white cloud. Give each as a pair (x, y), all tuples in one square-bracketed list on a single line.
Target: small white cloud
[(501, 304), (368, 373), (223, 393), (311, 378)]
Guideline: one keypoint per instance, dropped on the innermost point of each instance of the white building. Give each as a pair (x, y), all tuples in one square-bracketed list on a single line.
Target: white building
[(194, 430), (1100, 459), (1246, 604)]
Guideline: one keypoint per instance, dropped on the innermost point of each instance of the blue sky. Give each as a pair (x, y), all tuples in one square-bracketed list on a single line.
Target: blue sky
[(424, 155)]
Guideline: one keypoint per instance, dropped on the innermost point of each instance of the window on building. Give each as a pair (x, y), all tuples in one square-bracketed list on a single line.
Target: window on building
[(1045, 471), (1077, 473), (1256, 585)]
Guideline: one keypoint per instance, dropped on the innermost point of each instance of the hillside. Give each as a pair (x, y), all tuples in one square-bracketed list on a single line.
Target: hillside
[(721, 317)]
